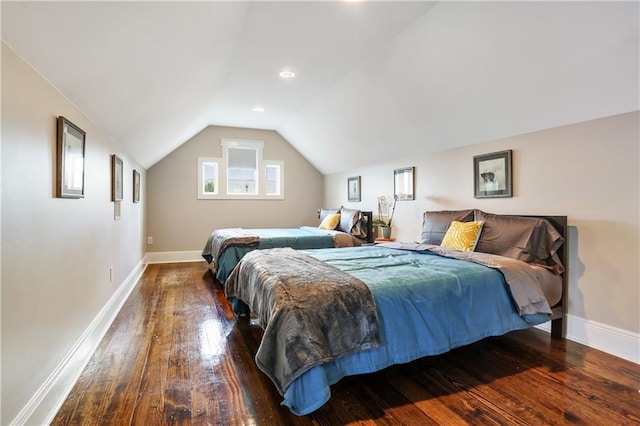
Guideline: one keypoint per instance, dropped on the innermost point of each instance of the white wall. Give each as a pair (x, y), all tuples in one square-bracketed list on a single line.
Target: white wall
[(587, 171), (56, 253)]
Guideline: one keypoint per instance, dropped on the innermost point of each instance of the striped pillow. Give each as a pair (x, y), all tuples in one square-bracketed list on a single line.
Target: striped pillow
[(330, 222)]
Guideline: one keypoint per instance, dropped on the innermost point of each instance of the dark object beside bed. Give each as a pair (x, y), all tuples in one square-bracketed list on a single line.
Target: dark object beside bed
[(427, 302)]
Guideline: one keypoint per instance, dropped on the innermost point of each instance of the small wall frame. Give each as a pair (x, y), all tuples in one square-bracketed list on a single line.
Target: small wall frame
[(404, 183), (353, 188), (492, 175), (136, 186), (116, 178), (70, 159)]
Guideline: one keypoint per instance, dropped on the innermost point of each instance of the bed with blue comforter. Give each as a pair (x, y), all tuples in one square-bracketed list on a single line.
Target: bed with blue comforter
[(226, 247), (425, 299)]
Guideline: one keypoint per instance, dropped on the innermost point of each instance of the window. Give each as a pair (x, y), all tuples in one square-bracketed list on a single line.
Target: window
[(242, 170), (210, 177), (273, 178), (208, 183), (241, 173)]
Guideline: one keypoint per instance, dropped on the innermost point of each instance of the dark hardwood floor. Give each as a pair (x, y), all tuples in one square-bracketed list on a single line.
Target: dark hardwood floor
[(177, 355)]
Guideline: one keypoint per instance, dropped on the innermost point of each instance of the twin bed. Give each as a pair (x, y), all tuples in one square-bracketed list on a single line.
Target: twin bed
[(329, 313), (225, 247)]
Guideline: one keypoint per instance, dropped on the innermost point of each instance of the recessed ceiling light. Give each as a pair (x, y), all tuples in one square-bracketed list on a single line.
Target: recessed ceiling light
[(287, 74), (258, 109)]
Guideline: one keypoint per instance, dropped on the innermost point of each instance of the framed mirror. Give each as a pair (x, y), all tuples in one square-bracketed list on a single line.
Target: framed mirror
[(70, 160), (403, 184)]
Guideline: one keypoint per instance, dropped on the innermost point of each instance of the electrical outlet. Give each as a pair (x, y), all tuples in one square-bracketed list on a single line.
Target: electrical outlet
[(149, 240), (111, 274)]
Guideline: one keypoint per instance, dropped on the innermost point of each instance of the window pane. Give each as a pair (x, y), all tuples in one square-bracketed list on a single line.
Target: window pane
[(273, 180), (210, 178), (242, 171)]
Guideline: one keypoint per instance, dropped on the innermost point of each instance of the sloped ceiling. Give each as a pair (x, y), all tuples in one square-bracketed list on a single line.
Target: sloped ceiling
[(375, 80)]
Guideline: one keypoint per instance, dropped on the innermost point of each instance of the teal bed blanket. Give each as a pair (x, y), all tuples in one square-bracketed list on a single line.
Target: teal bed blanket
[(426, 304), (296, 238)]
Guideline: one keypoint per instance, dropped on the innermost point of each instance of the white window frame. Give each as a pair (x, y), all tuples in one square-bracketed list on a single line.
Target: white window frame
[(280, 166), (201, 192), (222, 178)]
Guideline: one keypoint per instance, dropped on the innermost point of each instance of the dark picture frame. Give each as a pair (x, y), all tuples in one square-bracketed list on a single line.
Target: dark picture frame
[(404, 184), (71, 144), (353, 188), (117, 167), (136, 186), (492, 175)]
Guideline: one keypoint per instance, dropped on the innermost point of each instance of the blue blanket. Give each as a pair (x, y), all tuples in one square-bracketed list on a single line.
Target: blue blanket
[(427, 304)]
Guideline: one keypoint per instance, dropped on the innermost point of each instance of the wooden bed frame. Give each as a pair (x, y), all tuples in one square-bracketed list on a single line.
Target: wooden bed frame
[(367, 218), (559, 310)]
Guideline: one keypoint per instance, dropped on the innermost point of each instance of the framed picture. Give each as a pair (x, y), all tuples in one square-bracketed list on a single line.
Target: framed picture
[(492, 175), (70, 160), (136, 186), (116, 178), (403, 184), (353, 188)]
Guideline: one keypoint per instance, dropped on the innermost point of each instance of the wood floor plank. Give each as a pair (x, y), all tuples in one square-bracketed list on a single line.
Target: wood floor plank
[(497, 385), (176, 355), (432, 408), (586, 374)]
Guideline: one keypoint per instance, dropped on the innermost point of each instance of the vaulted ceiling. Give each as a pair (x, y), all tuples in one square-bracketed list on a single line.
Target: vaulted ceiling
[(375, 81)]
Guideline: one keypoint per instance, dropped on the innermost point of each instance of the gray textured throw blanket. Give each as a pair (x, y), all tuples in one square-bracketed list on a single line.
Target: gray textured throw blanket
[(220, 239), (311, 312)]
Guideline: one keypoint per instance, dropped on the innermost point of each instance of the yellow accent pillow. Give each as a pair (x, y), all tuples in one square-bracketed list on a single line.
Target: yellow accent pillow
[(330, 222), (462, 236)]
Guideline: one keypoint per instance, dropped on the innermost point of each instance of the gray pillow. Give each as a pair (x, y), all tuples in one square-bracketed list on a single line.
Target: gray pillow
[(435, 224), (529, 239), (322, 213), (349, 221)]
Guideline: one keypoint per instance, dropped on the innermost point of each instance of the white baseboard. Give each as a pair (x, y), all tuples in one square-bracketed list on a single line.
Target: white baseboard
[(615, 341), (45, 403), (173, 256)]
